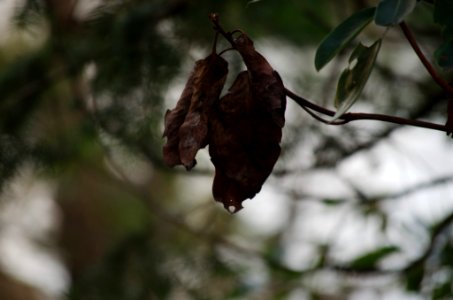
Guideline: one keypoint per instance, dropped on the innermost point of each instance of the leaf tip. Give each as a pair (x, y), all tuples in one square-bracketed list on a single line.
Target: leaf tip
[(318, 65), (233, 209), (319, 60)]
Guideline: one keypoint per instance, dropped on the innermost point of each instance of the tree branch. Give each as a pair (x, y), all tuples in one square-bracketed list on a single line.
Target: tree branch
[(437, 231), (348, 117), (429, 67)]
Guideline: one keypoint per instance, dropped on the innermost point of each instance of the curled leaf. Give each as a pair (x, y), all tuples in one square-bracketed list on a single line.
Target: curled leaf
[(442, 15), (342, 35), (371, 259), (267, 86), (246, 129), (444, 54), (353, 79), (393, 12), (186, 126)]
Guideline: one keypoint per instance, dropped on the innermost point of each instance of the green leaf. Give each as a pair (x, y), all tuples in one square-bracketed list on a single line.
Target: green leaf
[(341, 36), (392, 12), (414, 277), (354, 77), (444, 55), (333, 202), (370, 259), (443, 11), (443, 291)]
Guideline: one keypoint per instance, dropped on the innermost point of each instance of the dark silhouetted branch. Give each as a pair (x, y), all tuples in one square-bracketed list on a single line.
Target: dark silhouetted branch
[(348, 117), (429, 67)]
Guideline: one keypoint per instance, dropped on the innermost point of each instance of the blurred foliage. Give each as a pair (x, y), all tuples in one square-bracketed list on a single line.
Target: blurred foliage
[(82, 102)]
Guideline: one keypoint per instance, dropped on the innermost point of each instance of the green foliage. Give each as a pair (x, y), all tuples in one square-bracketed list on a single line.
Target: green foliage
[(371, 259), (133, 271), (29, 73), (444, 54), (444, 291), (333, 202), (392, 12), (353, 79), (443, 10), (442, 15), (342, 36), (443, 287), (414, 277)]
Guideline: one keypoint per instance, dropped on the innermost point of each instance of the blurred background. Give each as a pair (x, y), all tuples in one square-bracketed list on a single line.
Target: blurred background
[(88, 210)]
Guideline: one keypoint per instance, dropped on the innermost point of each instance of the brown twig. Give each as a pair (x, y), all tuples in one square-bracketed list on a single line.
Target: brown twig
[(429, 67), (214, 44), (348, 117), (227, 35)]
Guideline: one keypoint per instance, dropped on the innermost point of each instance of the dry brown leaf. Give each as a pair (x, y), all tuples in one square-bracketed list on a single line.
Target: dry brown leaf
[(186, 126), (243, 128), (246, 129)]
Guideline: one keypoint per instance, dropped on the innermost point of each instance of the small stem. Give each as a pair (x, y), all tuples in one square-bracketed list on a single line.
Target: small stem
[(226, 50), (215, 20), (214, 45), (439, 80), (321, 119), (348, 117), (306, 103)]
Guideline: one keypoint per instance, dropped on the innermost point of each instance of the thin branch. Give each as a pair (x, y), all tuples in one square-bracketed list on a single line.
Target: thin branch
[(306, 103), (419, 112), (214, 44), (227, 35), (421, 186), (348, 117), (437, 231), (320, 119), (429, 67)]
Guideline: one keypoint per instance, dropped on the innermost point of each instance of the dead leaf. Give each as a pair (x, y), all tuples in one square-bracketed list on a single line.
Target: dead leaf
[(266, 82), (246, 129), (186, 126), (243, 128)]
